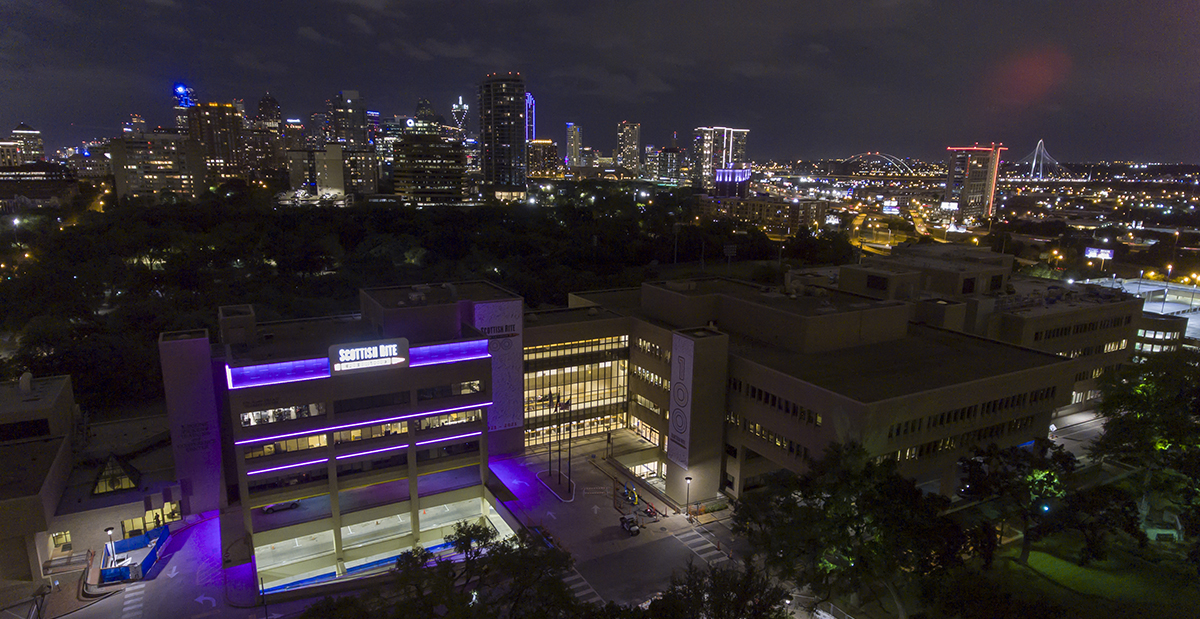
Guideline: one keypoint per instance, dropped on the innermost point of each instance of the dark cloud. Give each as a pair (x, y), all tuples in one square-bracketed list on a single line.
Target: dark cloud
[(820, 78)]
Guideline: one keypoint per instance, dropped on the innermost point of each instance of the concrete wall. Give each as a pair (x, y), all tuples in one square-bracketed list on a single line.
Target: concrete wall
[(192, 411)]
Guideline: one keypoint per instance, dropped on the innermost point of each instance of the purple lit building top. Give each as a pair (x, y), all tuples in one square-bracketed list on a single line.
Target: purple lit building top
[(733, 175)]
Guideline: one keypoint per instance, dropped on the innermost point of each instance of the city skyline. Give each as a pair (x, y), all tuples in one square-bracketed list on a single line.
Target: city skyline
[(821, 81)]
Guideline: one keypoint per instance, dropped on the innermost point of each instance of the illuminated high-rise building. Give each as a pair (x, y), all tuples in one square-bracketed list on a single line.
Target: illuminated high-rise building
[(543, 158), (373, 125), (716, 148), (185, 98), (136, 125), (574, 145), (502, 134), (30, 140), (348, 120), (530, 117), (629, 137), (971, 173), (459, 112), (428, 168), (220, 130)]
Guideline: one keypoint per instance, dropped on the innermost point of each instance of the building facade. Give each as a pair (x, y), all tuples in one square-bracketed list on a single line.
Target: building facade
[(220, 129), (629, 146), (328, 443), (716, 148), (152, 163), (776, 217), (502, 135), (575, 153), (543, 158), (971, 173), (30, 140)]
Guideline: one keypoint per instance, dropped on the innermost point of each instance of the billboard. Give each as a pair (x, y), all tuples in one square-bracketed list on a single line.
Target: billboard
[(949, 206), (358, 356), (1096, 252)]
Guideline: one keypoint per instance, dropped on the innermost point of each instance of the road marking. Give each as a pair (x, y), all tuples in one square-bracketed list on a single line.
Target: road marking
[(204, 598), (580, 587), (703, 548)]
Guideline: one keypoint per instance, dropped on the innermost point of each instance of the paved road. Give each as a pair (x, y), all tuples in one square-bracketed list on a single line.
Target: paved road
[(186, 583)]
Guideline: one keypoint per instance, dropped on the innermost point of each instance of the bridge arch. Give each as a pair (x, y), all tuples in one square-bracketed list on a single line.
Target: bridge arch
[(893, 160)]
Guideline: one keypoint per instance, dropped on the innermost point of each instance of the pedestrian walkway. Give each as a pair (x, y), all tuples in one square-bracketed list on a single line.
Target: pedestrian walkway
[(701, 546), (132, 608), (582, 590)]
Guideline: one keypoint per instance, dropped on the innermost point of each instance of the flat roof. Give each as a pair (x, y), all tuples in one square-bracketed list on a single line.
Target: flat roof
[(825, 301), (544, 318), (877, 372), (439, 294), (43, 392), (27, 465), (288, 340), (1035, 296)]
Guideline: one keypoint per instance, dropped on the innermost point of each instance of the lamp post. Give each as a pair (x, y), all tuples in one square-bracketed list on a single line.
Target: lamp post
[(1140, 276), (688, 503), (1195, 280), (1166, 289), (111, 549)]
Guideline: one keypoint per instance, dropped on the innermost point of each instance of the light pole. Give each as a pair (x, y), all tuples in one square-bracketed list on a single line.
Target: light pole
[(1141, 274), (1166, 289), (688, 503), (1195, 280), (111, 549)]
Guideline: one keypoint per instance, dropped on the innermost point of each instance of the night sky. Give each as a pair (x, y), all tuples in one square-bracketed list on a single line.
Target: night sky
[(1096, 79)]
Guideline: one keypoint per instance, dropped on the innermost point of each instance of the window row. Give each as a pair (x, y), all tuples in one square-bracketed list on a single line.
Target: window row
[(648, 405), (449, 391), (654, 350), (573, 348), (964, 440), (1083, 327), (805, 415), (283, 413), (1159, 335), (770, 436), (652, 378)]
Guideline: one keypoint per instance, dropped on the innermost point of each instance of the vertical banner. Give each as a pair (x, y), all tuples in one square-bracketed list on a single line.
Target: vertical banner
[(682, 369), (502, 322)]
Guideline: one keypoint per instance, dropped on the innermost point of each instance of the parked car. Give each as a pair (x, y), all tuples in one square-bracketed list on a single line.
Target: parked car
[(278, 507), (629, 523)]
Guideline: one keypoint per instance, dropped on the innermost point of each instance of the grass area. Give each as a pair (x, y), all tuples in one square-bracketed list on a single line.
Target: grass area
[(1130, 583)]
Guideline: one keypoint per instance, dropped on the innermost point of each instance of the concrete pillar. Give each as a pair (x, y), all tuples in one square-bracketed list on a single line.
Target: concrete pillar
[(414, 502), (335, 508)]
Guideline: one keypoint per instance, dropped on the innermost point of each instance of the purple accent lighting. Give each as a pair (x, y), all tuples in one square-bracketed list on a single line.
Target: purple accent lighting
[(267, 439), (373, 451), (313, 369), (449, 438), (734, 175), (287, 466), (278, 373), (448, 353)]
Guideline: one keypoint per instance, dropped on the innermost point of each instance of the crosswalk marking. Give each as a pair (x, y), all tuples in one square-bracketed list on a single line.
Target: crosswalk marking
[(703, 548), (580, 587)]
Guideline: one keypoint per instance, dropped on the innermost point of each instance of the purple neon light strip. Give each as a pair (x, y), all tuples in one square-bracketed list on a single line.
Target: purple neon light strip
[(267, 439), (373, 451), (449, 438), (287, 466), (312, 369)]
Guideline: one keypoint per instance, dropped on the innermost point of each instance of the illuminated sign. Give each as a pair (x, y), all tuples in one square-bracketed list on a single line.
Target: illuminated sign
[(368, 355), (1095, 252), (891, 210), (949, 206)]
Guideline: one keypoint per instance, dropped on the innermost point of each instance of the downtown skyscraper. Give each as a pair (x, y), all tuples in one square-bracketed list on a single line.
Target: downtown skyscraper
[(629, 149), (574, 145), (502, 135), (716, 148)]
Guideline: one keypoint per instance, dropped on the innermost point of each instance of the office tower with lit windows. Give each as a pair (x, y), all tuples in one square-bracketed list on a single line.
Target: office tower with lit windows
[(502, 134), (347, 119), (149, 165), (671, 164), (716, 148), (220, 130), (318, 130), (629, 138), (185, 98), (971, 173), (428, 168), (30, 141), (543, 158), (574, 145)]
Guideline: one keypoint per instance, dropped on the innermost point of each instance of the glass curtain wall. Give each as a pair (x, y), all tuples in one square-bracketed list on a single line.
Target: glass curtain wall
[(576, 389)]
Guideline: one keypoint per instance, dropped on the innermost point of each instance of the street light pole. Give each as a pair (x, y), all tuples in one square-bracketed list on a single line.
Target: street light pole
[(1166, 289), (688, 502), (111, 549)]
